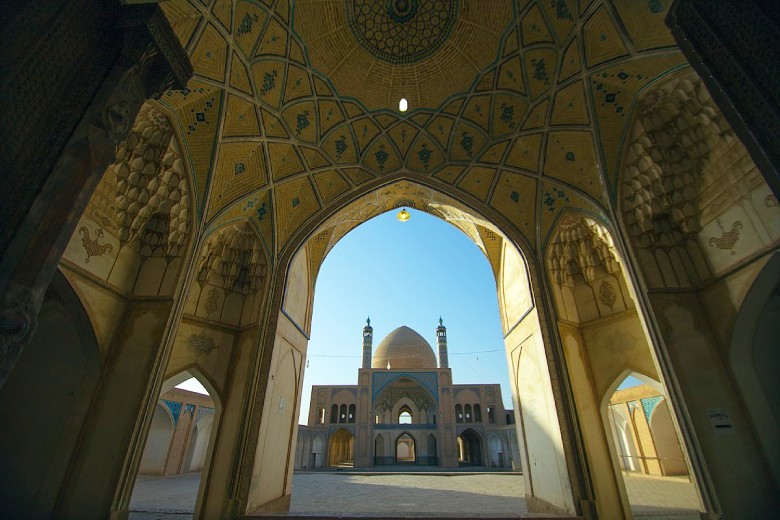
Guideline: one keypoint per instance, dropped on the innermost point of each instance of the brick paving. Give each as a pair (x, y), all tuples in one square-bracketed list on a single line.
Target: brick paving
[(400, 493), (671, 498), (464, 494), (164, 498)]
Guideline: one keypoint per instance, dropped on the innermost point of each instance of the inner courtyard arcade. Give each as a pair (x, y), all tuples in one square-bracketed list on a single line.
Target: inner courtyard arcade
[(176, 172)]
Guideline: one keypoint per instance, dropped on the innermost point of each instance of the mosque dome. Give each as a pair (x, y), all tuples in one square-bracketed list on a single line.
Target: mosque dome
[(404, 348)]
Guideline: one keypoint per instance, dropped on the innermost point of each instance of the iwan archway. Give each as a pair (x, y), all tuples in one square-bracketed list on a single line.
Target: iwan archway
[(186, 255), (556, 479), (341, 449)]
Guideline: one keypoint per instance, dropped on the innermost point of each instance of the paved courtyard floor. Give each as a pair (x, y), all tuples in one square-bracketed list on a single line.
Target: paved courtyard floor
[(173, 498), (500, 493)]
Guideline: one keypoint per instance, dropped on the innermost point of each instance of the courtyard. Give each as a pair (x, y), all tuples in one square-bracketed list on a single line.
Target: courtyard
[(477, 495)]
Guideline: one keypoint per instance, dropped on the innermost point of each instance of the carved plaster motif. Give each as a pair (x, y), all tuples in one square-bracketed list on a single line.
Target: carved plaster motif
[(202, 343)]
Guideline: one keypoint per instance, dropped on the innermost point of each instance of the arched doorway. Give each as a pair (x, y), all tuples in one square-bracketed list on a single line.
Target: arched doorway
[(380, 457), (341, 448), (178, 445), (596, 310), (496, 453), (432, 455), (317, 448), (405, 449), (644, 442), (470, 448), (755, 360), (48, 395)]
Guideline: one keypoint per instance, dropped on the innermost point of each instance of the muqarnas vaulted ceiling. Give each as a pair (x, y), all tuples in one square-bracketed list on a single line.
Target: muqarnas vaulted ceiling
[(523, 106)]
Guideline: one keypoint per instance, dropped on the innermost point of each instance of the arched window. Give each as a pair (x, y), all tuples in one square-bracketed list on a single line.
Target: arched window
[(334, 413), (351, 417), (343, 413), (405, 415), (469, 417), (458, 413), (477, 413)]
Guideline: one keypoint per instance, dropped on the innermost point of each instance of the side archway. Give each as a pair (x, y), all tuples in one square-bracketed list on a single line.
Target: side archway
[(181, 436), (405, 449), (755, 362), (49, 394), (698, 219), (603, 338), (341, 448), (470, 446)]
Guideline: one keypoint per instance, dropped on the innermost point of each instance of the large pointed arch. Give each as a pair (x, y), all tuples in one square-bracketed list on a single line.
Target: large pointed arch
[(527, 307)]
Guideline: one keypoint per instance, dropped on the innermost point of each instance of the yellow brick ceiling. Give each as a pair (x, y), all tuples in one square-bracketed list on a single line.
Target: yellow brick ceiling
[(521, 105)]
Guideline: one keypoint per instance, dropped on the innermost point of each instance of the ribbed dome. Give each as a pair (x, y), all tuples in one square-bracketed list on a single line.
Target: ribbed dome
[(404, 348)]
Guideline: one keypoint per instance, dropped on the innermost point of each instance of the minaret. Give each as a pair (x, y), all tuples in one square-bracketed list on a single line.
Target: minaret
[(368, 338), (441, 342)]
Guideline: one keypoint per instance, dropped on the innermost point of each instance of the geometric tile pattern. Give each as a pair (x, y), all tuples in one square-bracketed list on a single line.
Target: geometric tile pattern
[(240, 169), (521, 106)]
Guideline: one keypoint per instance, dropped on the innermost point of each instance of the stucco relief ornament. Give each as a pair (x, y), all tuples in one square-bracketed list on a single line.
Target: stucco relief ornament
[(92, 247), (727, 239), (607, 294), (201, 343)]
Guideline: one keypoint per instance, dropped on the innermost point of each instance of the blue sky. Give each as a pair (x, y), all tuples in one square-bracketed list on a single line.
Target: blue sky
[(405, 273)]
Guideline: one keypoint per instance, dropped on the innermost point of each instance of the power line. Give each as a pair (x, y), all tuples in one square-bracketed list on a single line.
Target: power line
[(451, 354), (475, 352), (331, 355)]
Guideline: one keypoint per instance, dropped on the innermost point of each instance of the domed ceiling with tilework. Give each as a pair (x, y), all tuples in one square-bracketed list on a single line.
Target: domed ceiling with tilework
[(521, 105)]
